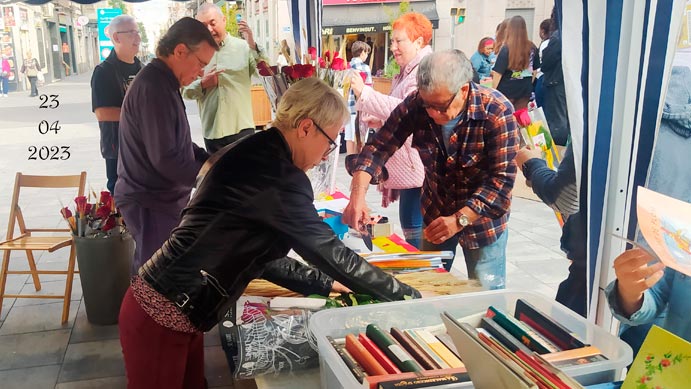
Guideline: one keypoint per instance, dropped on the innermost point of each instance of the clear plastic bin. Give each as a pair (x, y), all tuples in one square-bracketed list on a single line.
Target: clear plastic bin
[(426, 312)]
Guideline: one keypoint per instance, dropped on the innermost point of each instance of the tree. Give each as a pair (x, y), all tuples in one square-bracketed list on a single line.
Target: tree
[(118, 4), (230, 12), (142, 32)]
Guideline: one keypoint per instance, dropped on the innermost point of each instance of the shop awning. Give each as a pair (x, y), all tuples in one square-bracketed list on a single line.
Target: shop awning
[(369, 18)]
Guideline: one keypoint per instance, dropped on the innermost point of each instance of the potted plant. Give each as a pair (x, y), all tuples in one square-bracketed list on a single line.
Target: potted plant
[(104, 253)]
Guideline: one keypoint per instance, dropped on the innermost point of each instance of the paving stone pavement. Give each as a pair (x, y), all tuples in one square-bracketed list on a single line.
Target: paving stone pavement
[(36, 351)]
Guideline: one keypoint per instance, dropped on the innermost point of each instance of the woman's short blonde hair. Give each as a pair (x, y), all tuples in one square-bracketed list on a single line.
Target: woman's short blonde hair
[(311, 98)]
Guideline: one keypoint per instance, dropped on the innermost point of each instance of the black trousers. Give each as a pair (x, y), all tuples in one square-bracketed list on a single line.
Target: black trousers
[(111, 174), (213, 145)]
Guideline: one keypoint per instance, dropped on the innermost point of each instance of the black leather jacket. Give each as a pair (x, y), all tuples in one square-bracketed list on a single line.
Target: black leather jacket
[(252, 205)]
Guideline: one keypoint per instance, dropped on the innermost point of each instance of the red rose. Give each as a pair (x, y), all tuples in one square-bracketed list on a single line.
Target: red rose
[(313, 53), (336, 54), (66, 213), (522, 117), (322, 63), (81, 204), (264, 69), (306, 70), (109, 224), (338, 64), (327, 56), (665, 362), (106, 199), (103, 212), (289, 71), (87, 208)]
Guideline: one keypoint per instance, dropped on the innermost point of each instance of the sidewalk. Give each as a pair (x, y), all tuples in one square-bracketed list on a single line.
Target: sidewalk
[(37, 352)]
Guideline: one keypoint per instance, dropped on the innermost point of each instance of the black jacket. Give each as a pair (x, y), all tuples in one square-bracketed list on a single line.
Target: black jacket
[(251, 207)]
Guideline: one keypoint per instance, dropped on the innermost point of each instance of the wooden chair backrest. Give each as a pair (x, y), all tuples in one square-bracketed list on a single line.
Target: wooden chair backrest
[(77, 181)]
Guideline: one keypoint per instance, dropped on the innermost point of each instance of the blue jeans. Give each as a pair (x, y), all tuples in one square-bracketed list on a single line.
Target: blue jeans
[(410, 213), (486, 264), (5, 85)]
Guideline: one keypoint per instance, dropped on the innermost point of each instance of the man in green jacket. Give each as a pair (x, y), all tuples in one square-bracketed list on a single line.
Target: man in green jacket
[(223, 93)]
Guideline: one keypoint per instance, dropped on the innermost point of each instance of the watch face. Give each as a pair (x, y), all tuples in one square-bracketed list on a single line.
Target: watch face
[(463, 220)]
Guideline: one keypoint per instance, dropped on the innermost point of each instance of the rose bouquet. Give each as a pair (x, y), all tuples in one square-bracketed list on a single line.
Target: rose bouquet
[(94, 220)]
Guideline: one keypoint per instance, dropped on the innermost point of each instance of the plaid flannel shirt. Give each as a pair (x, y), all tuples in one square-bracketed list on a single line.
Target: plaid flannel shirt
[(479, 175)]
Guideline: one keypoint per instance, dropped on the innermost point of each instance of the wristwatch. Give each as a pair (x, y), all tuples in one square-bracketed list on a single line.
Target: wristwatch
[(462, 220)]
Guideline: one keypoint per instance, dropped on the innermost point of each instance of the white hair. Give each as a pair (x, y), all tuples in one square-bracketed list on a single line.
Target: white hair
[(447, 68), (118, 21)]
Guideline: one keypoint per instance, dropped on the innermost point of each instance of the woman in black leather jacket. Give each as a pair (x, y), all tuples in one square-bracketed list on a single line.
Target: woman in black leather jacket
[(252, 205)]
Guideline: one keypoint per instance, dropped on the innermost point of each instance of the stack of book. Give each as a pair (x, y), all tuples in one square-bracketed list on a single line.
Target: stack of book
[(531, 342), (381, 359), (409, 261)]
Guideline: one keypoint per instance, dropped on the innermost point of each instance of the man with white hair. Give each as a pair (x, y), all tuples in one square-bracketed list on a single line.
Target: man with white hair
[(223, 92), (467, 138), (109, 83)]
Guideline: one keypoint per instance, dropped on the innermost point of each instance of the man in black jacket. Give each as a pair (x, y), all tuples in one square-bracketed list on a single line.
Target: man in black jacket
[(252, 205)]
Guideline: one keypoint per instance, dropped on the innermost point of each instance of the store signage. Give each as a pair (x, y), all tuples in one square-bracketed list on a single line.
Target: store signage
[(105, 15), (82, 21), (349, 2), (367, 29)]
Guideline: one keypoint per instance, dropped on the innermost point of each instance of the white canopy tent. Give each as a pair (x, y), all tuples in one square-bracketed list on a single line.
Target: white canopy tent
[(617, 57)]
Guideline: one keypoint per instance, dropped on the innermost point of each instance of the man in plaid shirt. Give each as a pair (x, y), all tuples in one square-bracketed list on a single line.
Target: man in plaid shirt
[(467, 138)]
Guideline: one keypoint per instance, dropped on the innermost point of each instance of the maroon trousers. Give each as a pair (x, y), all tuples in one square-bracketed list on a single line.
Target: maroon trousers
[(155, 356)]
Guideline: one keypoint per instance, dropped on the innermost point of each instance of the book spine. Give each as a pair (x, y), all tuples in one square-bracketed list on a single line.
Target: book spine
[(502, 335), (348, 359), (392, 349), (426, 349), (372, 382), (362, 356), (425, 382), (545, 325), (379, 355), (426, 362), (439, 348), (521, 332)]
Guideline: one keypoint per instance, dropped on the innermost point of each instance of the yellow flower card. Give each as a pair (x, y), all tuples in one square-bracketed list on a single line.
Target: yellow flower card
[(663, 362)]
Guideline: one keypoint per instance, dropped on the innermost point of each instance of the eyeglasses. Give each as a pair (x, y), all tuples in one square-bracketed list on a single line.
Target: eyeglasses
[(332, 143), (202, 64), (128, 32), (440, 108)]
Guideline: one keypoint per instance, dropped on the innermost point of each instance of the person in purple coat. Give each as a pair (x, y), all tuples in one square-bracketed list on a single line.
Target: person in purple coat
[(157, 161)]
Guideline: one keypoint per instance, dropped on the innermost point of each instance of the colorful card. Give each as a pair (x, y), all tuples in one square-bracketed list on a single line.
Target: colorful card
[(665, 223), (664, 361)]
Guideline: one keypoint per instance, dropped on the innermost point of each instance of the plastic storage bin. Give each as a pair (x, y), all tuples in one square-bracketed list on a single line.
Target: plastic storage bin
[(426, 312)]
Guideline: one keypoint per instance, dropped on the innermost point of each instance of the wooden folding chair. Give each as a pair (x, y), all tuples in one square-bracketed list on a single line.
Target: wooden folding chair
[(25, 241)]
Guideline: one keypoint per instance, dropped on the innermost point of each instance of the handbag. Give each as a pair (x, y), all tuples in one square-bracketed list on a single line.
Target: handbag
[(405, 168)]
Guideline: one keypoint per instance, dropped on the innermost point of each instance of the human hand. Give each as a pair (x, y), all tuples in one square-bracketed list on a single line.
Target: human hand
[(337, 287), (441, 229), (356, 213), (635, 276), (246, 32), (210, 78), (356, 83), (526, 154)]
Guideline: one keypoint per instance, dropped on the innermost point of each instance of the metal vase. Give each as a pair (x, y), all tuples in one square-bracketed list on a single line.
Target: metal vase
[(104, 271)]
